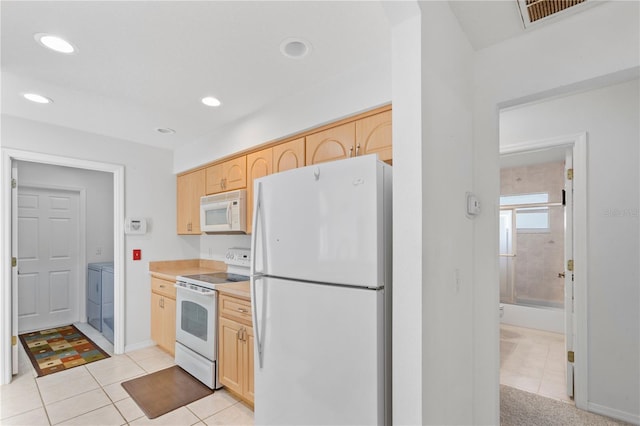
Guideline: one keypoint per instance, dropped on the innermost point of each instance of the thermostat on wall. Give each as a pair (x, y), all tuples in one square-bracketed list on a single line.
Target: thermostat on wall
[(135, 225)]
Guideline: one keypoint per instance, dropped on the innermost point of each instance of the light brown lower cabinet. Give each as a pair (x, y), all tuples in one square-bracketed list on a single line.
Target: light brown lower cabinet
[(163, 314), (235, 347)]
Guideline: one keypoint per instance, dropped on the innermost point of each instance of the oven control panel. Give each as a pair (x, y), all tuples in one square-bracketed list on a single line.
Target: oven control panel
[(238, 257)]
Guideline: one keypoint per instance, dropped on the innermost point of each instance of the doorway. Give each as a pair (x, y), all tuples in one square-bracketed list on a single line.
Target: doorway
[(573, 316), (533, 246), (8, 273)]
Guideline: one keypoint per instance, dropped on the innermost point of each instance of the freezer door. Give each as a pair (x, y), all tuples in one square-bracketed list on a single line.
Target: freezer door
[(323, 223), (319, 354)]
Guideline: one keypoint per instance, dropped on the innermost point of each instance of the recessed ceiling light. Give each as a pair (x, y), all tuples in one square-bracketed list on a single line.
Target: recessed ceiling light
[(211, 101), (34, 97), (55, 43), (165, 130), (295, 48)]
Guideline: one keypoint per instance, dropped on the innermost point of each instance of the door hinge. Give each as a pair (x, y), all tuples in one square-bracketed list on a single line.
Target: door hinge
[(570, 265), (570, 356), (14, 262), (14, 340), (570, 174), (13, 183)]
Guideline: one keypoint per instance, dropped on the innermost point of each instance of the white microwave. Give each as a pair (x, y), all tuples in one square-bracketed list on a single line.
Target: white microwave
[(224, 213)]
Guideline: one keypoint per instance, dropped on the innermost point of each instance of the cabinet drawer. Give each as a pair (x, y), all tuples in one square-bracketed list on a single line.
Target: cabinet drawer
[(163, 287), (234, 308)]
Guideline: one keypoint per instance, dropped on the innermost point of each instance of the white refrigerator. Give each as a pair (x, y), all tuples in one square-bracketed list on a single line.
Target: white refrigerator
[(321, 294)]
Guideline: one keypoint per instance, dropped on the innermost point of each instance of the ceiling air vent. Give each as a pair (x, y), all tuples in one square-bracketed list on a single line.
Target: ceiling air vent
[(534, 11)]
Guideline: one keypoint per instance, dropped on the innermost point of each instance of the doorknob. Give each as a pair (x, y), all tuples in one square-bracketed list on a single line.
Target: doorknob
[(560, 274)]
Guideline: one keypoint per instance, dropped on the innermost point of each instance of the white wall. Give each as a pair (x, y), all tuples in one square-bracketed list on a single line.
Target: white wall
[(599, 44), (99, 201), (353, 91), (610, 116), (150, 191), (448, 283), (215, 246)]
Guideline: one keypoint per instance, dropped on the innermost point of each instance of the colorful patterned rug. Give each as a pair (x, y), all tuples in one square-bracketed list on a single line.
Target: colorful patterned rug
[(59, 349)]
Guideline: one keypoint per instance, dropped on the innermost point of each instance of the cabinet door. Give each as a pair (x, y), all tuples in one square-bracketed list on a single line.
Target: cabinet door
[(230, 355), (287, 156), (157, 322), (332, 144), (373, 136), (169, 325), (248, 365), (259, 164), (214, 179), (234, 173), (227, 176), (190, 189)]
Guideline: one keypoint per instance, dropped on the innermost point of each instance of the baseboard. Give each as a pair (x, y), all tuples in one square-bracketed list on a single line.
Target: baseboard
[(615, 414), (140, 345)]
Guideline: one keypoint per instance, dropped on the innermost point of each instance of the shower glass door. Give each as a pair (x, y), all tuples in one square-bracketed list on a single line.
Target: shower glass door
[(507, 256)]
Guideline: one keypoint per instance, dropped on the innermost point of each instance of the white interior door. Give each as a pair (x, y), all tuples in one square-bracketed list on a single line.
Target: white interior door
[(48, 257), (569, 312), (14, 268)]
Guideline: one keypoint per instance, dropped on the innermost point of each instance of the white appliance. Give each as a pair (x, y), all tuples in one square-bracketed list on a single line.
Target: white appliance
[(224, 213), (197, 317), (320, 283)]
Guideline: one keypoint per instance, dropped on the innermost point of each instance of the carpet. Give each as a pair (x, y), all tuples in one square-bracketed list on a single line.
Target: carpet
[(165, 390), (522, 408), (58, 349)]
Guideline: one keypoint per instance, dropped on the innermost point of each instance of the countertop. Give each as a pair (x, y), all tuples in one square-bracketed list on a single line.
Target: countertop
[(170, 269), (240, 290)]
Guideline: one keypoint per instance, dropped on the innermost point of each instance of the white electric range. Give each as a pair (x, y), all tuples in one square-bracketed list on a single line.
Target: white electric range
[(197, 318)]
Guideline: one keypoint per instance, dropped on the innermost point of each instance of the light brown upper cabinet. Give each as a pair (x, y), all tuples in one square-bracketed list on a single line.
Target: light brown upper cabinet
[(259, 164), (288, 155), (373, 135), (227, 176), (190, 189), (332, 144)]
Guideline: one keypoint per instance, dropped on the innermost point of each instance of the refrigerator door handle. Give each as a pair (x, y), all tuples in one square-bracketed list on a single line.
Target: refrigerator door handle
[(256, 323), (254, 232), (254, 240)]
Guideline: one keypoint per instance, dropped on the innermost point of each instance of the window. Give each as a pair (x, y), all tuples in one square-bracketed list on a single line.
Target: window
[(529, 219)]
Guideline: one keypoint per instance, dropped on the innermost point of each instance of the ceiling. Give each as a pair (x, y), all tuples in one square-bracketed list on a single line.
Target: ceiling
[(145, 65)]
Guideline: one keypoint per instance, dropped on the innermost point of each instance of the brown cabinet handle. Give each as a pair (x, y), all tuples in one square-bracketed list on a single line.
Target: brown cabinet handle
[(351, 151), (357, 150)]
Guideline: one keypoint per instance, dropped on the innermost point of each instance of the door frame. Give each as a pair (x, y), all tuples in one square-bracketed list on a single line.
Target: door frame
[(578, 142), (8, 156), (82, 242)]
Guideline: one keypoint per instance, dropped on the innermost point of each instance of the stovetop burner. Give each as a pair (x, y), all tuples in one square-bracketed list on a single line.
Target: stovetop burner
[(210, 280), (217, 277)]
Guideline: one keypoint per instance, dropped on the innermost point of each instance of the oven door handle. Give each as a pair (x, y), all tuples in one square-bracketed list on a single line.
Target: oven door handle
[(202, 293)]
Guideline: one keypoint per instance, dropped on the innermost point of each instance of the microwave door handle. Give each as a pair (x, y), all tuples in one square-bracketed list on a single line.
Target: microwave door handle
[(229, 215)]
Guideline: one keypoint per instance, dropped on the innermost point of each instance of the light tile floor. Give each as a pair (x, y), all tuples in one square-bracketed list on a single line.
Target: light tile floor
[(533, 361), (92, 394)]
